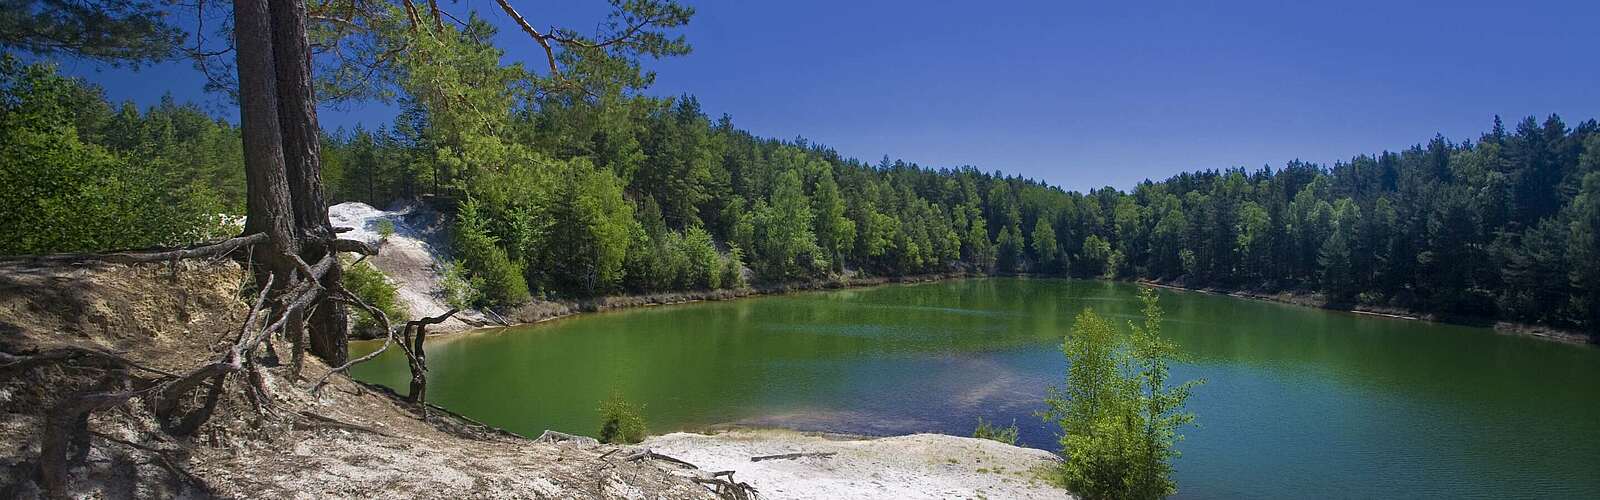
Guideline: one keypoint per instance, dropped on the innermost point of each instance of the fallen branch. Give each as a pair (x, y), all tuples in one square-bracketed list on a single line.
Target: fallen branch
[(649, 454), (792, 456), (383, 320), (218, 249), (728, 489)]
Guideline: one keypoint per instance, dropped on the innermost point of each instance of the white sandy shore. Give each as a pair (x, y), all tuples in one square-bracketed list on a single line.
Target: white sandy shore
[(901, 467)]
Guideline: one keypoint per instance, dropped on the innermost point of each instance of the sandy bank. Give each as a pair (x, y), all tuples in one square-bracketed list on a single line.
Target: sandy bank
[(900, 467)]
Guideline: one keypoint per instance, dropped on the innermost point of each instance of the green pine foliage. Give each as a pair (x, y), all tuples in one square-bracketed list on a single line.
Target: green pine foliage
[(588, 186), (1118, 414), (79, 176)]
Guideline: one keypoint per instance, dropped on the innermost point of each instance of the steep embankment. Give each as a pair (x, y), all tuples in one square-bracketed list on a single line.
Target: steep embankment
[(349, 440)]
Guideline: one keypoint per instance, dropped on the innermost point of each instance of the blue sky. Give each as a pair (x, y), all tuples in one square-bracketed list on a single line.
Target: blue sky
[(1088, 94)]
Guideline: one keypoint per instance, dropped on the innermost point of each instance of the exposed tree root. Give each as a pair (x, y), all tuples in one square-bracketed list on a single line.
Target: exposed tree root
[(720, 483), (792, 456), (281, 308)]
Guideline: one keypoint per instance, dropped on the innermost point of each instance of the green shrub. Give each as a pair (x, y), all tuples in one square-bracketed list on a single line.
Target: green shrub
[(986, 430), (620, 421), (1118, 417), (368, 283), (385, 229)]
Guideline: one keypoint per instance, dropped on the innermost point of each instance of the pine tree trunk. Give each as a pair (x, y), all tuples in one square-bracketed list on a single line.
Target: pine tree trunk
[(302, 148), (266, 184)]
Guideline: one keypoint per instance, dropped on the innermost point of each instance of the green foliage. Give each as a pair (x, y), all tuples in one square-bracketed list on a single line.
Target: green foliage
[(1097, 259), (370, 285), (498, 280), (704, 266), (113, 31), (620, 421), (461, 289), (987, 430), (1583, 249), (385, 229), (784, 241), (1498, 226), (1119, 418), (79, 178), (588, 241), (733, 269)]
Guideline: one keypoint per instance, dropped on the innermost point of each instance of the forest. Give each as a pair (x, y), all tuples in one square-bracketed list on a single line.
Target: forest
[(585, 192)]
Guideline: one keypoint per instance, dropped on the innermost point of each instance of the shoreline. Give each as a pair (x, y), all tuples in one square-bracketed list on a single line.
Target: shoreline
[(542, 311), (1540, 332)]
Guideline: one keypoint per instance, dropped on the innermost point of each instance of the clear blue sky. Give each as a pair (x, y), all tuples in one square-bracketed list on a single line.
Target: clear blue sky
[(1087, 94)]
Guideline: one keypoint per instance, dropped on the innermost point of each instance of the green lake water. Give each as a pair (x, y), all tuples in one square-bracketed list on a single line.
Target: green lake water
[(1298, 402)]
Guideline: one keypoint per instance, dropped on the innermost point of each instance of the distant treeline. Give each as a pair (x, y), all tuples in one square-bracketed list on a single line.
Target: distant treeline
[(563, 196)]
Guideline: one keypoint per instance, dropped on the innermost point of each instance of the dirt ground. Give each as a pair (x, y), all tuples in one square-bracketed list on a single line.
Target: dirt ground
[(349, 440), (353, 440)]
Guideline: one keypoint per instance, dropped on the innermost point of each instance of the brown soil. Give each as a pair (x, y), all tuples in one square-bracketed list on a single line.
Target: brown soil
[(349, 440)]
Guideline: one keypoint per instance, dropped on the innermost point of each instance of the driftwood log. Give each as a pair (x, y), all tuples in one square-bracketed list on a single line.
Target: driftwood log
[(792, 456)]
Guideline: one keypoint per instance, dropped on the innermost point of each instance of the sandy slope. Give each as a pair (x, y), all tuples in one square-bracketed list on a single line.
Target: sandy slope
[(349, 440), (408, 258), (900, 467)]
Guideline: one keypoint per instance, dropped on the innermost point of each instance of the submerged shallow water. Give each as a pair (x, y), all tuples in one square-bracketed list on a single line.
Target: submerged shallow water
[(1298, 402)]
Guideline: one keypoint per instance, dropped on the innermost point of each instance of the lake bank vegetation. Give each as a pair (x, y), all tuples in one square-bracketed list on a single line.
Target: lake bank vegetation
[(632, 195)]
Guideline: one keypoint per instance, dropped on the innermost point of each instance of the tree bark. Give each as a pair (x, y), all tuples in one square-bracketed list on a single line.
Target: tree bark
[(266, 183), (302, 150)]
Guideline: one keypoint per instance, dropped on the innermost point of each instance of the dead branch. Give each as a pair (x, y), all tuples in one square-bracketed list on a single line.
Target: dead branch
[(792, 456), (218, 249), (649, 454), (728, 489), (326, 421), (346, 297), (539, 38), (9, 361), (419, 357)]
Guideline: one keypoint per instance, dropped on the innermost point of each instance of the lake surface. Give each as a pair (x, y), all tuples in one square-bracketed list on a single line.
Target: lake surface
[(1298, 402)]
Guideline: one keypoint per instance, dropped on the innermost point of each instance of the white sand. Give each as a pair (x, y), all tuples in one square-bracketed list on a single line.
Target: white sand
[(901, 467), (410, 258)]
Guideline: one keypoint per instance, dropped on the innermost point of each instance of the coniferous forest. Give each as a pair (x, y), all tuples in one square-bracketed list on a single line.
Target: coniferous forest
[(583, 193)]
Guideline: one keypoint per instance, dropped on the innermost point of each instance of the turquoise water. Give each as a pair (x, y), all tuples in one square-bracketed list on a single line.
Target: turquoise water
[(1299, 402)]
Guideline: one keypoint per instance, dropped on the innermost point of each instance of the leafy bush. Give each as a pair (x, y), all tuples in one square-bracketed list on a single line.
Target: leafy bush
[(986, 430), (368, 283), (385, 229), (1118, 418), (620, 421)]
